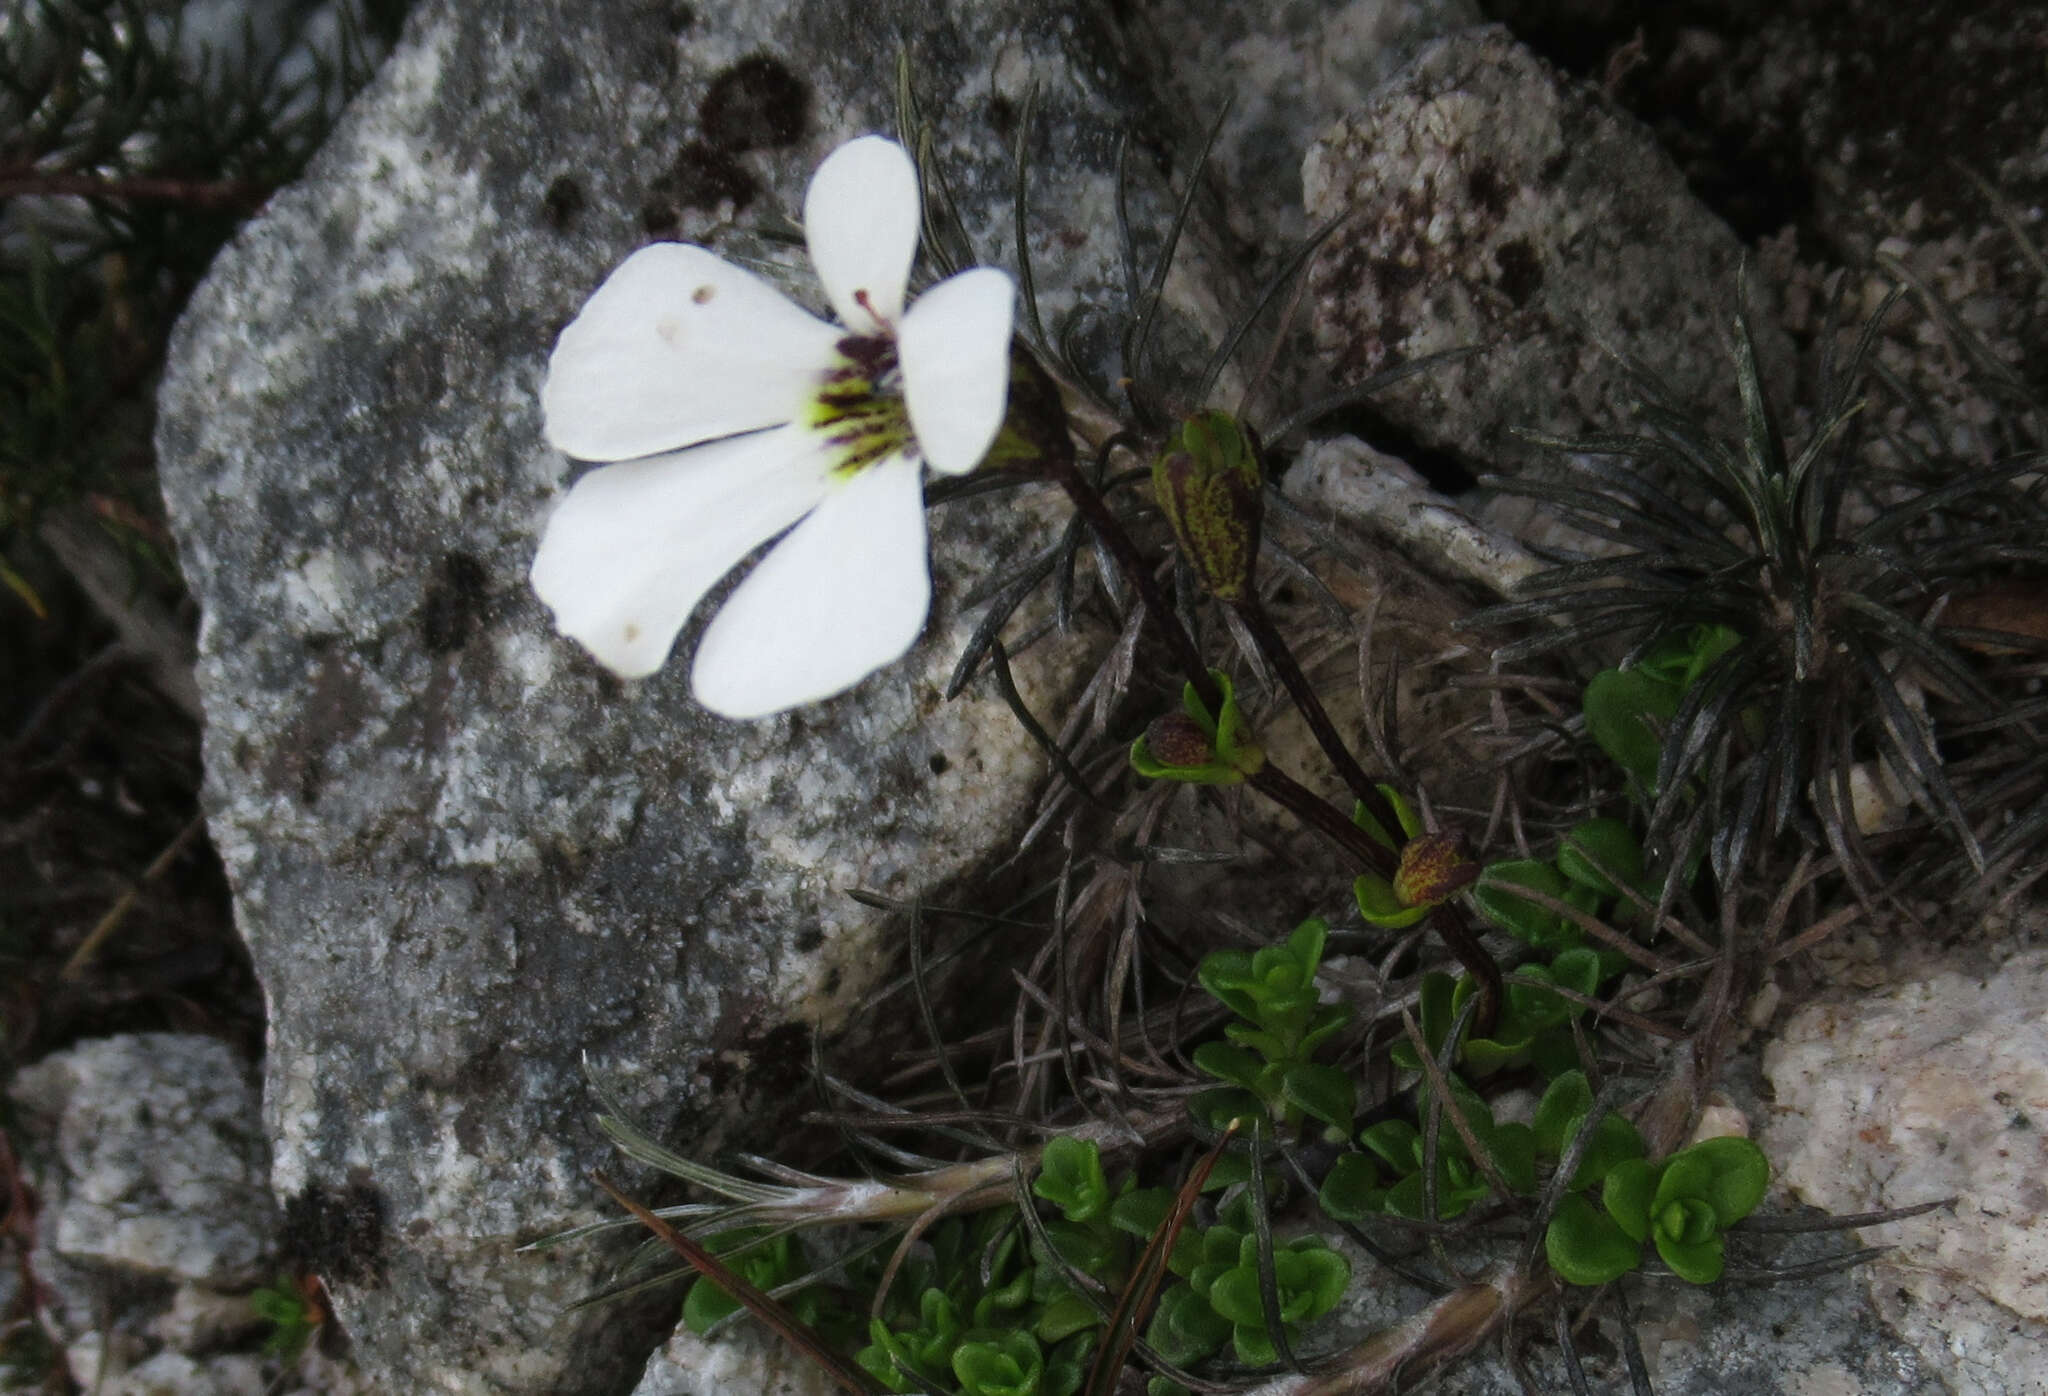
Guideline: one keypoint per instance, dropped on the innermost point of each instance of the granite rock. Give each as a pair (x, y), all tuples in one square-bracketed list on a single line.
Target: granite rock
[(149, 1156), (462, 856), (1934, 1088), (1490, 202), (1275, 75)]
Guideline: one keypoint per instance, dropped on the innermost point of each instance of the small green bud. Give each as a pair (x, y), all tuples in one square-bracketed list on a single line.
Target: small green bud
[(1209, 486)]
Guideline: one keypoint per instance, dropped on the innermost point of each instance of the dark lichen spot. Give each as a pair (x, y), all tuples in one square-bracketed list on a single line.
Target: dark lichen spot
[(1002, 116), (457, 600), (659, 216), (938, 763), (809, 939), (1521, 274), (703, 178), (756, 104), (338, 1233), (1483, 184), (563, 201), (1393, 277)]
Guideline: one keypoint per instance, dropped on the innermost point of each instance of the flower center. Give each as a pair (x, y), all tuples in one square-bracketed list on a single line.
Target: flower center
[(859, 408)]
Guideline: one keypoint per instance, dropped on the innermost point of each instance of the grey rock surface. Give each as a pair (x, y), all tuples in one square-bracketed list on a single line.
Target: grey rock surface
[(150, 1159), (1927, 1089), (1284, 71), (1490, 202), (461, 855)]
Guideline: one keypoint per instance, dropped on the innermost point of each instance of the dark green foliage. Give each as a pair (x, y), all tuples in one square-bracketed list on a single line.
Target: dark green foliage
[(128, 155), (1779, 603)]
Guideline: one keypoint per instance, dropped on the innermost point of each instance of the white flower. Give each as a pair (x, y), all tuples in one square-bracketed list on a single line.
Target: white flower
[(765, 417)]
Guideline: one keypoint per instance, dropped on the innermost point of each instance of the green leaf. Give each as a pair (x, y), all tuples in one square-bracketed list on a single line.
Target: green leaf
[(1007, 1364), (1141, 1212), (1434, 1016), (1617, 704), (1070, 1177), (1578, 969), (1457, 1188), (1607, 842), (1219, 1105), (1586, 1248), (1228, 1063), (1227, 975), (1066, 1366), (1398, 1142), (1379, 906), (1700, 1262), (1351, 1190), (1630, 1188), (1064, 1317), (1329, 1018), (1305, 943), (763, 1265), (1564, 1102), (1323, 1092), (1542, 928), (1729, 1174), (1512, 1147)]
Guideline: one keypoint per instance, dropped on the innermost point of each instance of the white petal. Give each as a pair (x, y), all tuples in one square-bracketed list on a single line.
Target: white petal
[(954, 348), (861, 218), (840, 597), (633, 547), (679, 346)]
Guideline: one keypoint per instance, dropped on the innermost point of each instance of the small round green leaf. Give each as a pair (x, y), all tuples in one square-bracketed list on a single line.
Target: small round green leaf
[(1586, 1248)]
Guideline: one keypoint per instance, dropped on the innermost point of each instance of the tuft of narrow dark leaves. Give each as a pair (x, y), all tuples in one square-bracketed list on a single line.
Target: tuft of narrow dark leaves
[(1834, 574)]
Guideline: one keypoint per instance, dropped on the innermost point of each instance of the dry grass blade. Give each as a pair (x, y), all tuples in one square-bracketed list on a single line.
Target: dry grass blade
[(1134, 1305), (793, 1332)]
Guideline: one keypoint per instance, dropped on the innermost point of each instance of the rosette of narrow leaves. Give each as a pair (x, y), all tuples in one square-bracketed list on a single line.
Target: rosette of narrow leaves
[(1197, 746), (1682, 1205), (1432, 869), (1210, 488), (1826, 574)]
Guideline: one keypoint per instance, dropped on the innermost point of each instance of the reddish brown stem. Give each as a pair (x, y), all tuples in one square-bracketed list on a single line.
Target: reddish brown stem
[(1253, 613)]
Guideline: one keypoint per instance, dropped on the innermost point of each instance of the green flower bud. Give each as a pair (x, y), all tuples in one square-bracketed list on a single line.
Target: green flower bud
[(1210, 488)]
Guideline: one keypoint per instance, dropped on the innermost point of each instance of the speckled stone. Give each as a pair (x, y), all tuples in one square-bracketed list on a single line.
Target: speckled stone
[(1934, 1088), (148, 1152), (1489, 201)]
